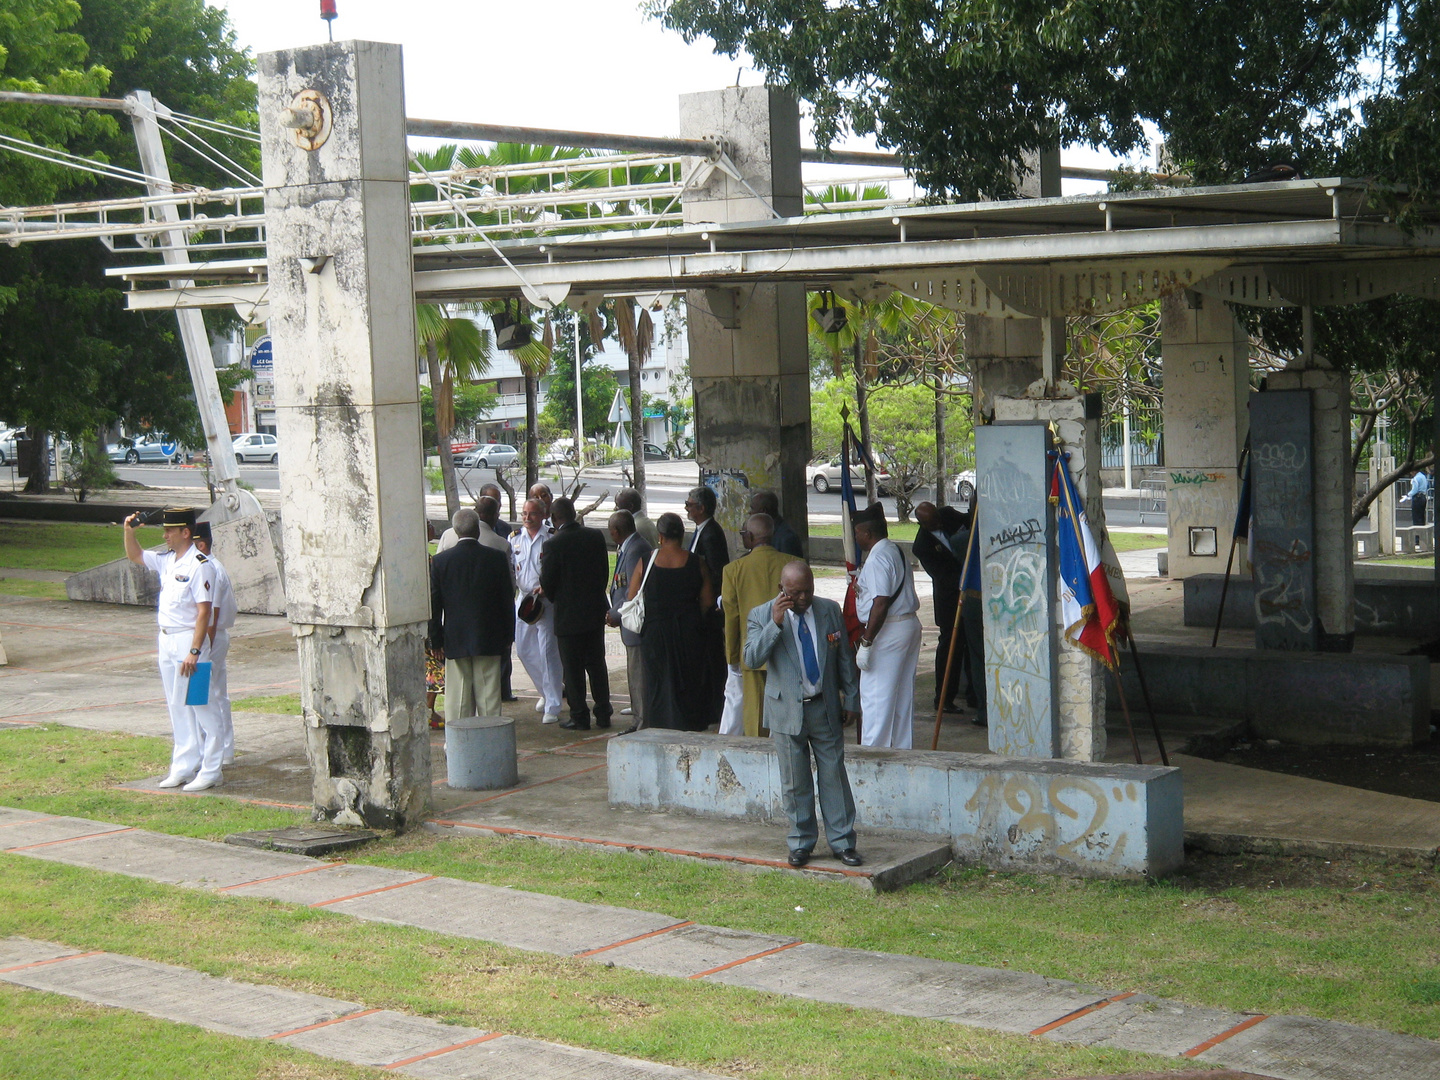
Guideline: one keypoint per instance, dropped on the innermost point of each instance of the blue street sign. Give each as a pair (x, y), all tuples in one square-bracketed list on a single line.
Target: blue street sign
[(262, 358)]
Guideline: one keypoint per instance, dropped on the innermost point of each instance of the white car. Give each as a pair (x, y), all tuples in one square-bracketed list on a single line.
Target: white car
[(824, 476), (489, 456), (964, 488), (7, 443), (256, 447)]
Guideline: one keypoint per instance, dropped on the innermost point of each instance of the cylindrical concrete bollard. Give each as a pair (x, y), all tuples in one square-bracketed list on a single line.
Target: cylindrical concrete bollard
[(480, 753)]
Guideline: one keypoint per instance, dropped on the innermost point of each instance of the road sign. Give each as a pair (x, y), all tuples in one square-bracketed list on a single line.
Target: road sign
[(262, 358)]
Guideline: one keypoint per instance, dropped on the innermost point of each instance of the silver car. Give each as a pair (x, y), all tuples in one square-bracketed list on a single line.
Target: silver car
[(153, 447), (489, 456)]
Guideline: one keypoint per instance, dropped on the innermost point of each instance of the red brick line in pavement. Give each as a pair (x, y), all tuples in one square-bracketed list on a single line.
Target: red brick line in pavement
[(443, 1050), (372, 892), (746, 960), (323, 1024), (52, 960), (72, 839), (1216, 1040), (1085, 1011), (637, 937)]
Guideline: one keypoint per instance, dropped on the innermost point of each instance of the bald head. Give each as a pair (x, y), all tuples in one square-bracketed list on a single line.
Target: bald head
[(928, 516), (492, 490), (758, 530), (628, 499), (797, 582)]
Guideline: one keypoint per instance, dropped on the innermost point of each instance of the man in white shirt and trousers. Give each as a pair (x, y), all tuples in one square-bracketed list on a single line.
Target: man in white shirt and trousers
[(889, 650), (222, 619), (535, 642), (187, 591)]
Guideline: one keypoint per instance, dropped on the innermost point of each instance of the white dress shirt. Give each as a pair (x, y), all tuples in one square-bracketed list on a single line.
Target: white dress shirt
[(883, 573), (186, 580), (792, 621)]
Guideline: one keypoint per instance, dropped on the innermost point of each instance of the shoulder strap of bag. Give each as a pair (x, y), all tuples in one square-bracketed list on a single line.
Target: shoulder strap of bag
[(647, 570)]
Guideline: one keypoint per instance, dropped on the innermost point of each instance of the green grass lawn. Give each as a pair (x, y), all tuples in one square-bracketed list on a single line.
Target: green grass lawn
[(1125, 541), (282, 704), (69, 548), (1352, 941), (45, 590)]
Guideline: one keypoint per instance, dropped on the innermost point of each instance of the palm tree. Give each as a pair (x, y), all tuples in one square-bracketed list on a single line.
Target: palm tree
[(456, 350), (636, 332)]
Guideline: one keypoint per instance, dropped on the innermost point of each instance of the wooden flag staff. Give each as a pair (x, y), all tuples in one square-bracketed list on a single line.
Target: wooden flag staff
[(955, 631)]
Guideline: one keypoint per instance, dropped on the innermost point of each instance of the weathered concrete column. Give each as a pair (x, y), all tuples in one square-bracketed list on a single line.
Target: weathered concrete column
[(1080, 678), (348, 419), (1206, 354), (1334, 491), (1006, 356), (748, 357)]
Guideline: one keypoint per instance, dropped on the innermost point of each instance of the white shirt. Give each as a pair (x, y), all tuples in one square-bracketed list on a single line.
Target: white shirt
[(525, 557), (185, 581), (488, 538), (944, 542), (882, 574), (695, 536), (225, 606), (792, 620)]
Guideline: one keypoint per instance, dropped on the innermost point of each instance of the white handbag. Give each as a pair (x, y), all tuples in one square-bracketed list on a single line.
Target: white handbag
[(632, 611)]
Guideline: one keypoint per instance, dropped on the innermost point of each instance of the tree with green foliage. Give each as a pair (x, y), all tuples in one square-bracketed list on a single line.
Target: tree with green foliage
[(457, 353)]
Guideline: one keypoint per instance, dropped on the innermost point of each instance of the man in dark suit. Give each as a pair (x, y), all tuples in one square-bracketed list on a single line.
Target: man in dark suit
[(708, 541), (471, 619), (632, 556), (574, 567), (501, 527), (786, 540), (488, 507), (811, 690), (939, 547)]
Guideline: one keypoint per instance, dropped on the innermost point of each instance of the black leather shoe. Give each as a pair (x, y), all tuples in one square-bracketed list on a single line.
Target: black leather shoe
[(850, 857), (631, 729), (602, 723), (978, 721), (571, 725), (799, 858)]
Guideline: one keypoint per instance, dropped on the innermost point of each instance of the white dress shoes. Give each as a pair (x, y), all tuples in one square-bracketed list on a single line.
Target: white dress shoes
[(174, 780), (540, 705), (551, 718), (203, 782)]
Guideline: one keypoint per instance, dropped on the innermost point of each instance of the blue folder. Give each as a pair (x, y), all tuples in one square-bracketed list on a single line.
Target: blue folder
[(198, 692)]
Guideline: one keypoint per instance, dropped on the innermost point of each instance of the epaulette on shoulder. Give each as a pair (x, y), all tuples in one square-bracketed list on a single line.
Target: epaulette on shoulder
[(199, 557)]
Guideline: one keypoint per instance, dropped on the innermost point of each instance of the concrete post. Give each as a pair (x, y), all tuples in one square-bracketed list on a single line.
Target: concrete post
[(1334, 481), (748, 358), (1080, 679), (1382, 510), (348, 417), (1206, 354), (1006, 356)]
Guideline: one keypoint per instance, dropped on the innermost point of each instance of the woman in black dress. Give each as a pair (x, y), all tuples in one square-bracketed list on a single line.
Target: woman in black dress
[(678, 591)]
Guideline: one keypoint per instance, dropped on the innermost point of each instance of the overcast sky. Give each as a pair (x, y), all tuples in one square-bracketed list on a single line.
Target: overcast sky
[(590, 65)]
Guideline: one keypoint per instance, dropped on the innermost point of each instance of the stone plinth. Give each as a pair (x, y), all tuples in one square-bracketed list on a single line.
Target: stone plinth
[(347, 409), (1009, 813), (480, 753)]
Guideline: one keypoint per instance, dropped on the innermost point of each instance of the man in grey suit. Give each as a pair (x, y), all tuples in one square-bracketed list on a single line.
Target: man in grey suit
[(632, 556), (811, 680)]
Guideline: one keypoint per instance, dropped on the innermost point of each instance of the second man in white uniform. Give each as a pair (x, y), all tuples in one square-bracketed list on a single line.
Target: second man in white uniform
[(889, 651), (535, 643)]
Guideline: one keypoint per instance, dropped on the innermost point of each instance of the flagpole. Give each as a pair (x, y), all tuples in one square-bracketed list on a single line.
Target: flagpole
[(954, 632), (1145, 690), (1234, 543), (1080, 540)]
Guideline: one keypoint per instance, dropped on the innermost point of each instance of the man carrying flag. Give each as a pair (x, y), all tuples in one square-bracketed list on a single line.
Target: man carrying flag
[(1091, 613)]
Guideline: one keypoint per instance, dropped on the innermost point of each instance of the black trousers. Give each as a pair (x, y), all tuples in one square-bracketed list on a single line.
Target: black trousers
[(583, 655), (506, 665), (1417, 508), (945, 620)]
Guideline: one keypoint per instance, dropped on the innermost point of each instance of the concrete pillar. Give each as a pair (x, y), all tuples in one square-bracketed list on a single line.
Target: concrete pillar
[(1006, 356), (348, 418), (749, 361), (1080, 678), (1206, 354), (1382, 510), (1334, 482)]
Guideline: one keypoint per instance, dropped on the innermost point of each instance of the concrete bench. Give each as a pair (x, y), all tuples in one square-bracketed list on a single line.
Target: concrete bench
[(480, 753), (1071, 817), (1415, 539), (1390, 600), (1367, 543), (1314, 699)]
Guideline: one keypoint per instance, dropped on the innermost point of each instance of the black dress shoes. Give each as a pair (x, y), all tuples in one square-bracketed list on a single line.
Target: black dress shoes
[(850, 857), (631, 729), (602, 723), (799, 858), (571, 725)]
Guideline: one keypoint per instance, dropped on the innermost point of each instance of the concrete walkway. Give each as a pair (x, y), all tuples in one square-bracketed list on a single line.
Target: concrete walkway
[(1292, 1048)]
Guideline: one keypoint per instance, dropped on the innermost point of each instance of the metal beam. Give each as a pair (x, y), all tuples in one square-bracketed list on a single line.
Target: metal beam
[(643, 144), (21, 97)]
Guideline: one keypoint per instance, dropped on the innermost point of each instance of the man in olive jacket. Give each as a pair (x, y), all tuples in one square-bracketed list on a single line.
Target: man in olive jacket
[(811, 689)]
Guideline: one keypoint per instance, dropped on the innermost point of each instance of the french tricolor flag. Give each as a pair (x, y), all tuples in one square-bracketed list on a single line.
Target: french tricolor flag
[(1086, 602)]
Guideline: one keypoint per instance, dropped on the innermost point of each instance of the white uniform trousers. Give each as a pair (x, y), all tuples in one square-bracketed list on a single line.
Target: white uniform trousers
[(732, 715), (196, 727), (220, 694), (887, 690), (538, 650)]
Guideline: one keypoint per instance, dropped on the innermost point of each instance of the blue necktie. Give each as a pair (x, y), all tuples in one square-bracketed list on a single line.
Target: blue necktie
[(807, 652)]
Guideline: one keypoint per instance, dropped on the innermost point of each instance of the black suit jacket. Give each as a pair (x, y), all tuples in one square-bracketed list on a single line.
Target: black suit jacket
[(937, 561), (574, 572), (471, 601), (502, 529), (786, 539), (714, 550)]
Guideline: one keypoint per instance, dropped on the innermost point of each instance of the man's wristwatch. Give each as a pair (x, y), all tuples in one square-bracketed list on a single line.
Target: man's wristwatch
[(866, 642), (194, 652)]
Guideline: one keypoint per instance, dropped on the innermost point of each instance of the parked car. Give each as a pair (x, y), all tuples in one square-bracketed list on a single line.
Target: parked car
[(7, 444), (153, 447), (825, 475), (655, 453), (256, 447), (489, 456), (964, 489)]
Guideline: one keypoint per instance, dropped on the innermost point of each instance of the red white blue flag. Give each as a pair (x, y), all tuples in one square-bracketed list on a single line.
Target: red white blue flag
[(853, 625), (1087, 605)]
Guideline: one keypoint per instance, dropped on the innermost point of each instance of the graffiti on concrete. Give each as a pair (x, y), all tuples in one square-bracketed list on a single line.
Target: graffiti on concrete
[(1069, 820)]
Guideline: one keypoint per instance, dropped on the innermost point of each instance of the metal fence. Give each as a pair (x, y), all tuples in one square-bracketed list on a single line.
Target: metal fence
[(1147, 442)]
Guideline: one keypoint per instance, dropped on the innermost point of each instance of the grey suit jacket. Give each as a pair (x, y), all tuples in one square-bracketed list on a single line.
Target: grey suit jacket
[(774, 647), (634, 559)]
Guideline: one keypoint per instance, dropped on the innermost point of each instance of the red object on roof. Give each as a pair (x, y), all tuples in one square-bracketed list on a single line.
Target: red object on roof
[(327, 9)]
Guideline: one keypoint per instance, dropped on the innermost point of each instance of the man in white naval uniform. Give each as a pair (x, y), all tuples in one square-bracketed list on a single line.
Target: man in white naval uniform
[(889, 651), (222, 619), (535, 643), (187, 590)]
